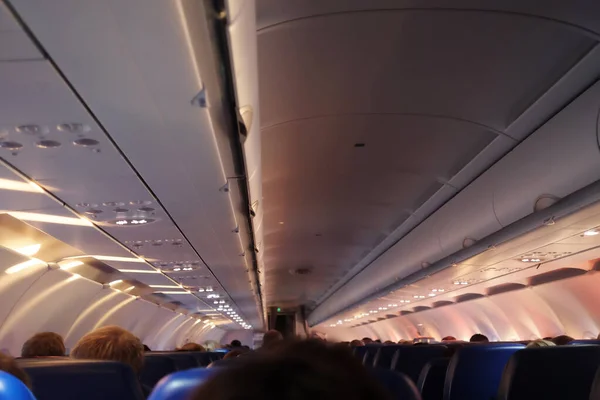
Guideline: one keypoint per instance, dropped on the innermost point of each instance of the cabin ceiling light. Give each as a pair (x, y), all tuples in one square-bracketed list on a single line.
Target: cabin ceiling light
[(29, 250), (139, 271), (19, 186), (530, 260), (70, 264), (166, 286), (591, 232), (115, 282), (131, 221), (24, 265), (52, 219)]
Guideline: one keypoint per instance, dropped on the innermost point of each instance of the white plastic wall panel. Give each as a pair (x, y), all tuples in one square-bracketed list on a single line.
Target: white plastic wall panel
[(52, 303), (559, 158), (14, 42)]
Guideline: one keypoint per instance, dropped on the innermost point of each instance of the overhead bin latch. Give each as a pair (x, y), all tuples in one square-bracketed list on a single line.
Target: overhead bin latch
[(200, 99)]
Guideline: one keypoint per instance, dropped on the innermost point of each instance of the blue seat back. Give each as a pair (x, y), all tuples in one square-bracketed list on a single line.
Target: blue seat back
[(396, 383), (12, 388), (595, 392), (370, 354), (593, 342), (180, 385), (562, 372), (81, 379), (360, 353), (183, 359), (155, 368), (410, 360), (384, 355), (474, 372), (432, 377)]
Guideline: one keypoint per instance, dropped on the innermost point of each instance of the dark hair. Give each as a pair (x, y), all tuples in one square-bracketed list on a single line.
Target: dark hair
[(449, 338), (236, 343), (479, 338), (271, 337), (562, 340), (367, 340), (298, 370), (8, 364), (44, 344)]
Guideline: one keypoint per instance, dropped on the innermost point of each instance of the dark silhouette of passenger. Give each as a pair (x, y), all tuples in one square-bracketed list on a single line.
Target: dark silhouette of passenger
[(299, 370), (146, 348), (561, 340), (8, 364), (547, 338), (367, 340), (44, 344), (271, 338), (356, 343), (236, 343), (191, 347), (479, 338), (448, 339)]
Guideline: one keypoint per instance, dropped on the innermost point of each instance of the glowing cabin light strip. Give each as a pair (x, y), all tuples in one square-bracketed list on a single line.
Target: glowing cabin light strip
[(115, 282), (19, 186), (166, 286), (30, 250), (121, 259), (139, 271), (52, 219), (24, 265), (173, 292), (71, 264)]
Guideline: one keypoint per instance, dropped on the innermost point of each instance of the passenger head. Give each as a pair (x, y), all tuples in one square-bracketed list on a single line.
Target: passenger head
[(191, 347), (367, 340), (562, 340), (271, 337), (236, 343), (8, 364), (479, 338), (448, 339), (44, 344), (233, 354), (388, 342), (299, 370), (356, 343), (547, 338), (540, 343), (111, 343)]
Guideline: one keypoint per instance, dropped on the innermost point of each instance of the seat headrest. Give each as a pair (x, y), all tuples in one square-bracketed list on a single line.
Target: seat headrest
[(475, 371), (183, 359), (397, 384), (156, 368), (410, 360), (12, 388), (562, 372), (586, 342), (180, 385), (383, 357), (595, 392), (81, 379)]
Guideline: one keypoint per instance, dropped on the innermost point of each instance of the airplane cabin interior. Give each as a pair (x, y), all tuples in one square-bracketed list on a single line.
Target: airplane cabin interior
[(391, 180)]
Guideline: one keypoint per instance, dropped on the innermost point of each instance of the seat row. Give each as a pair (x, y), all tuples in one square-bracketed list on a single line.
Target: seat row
[(502, 371), (87, 379)]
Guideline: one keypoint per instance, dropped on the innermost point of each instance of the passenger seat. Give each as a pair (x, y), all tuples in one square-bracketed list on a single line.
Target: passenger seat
[(81, 379), (562, 372), (432, 378)]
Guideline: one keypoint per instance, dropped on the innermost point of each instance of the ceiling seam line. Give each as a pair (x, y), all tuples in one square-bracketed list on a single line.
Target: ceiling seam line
[(572, 26), (113, 142)]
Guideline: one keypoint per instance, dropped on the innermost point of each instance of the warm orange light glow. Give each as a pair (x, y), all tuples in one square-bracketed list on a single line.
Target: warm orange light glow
[(71, 264), (30, 250)]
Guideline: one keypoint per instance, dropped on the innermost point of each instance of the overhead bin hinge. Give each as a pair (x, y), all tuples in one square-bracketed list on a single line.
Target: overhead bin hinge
[(200, 99)]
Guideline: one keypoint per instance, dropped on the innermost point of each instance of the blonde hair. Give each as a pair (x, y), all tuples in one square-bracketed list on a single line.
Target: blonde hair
[(111, 343), (44, 344)]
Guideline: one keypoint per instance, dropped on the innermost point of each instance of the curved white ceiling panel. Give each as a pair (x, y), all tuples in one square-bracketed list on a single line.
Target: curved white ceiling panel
[(128, 74)]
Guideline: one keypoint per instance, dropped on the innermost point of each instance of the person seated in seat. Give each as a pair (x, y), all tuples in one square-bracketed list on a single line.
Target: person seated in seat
[(111, 343), (448, 339), (562, 340), (191, 347), (367, 340), (44, 344), (271, 338), (235, 343), (540, 343), (479, 338), (356, 343), (8, 364), (298, 370)]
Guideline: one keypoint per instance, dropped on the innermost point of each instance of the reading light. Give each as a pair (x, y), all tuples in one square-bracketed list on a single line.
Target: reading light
[(24, 265), (591, 232), (115, 282)]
